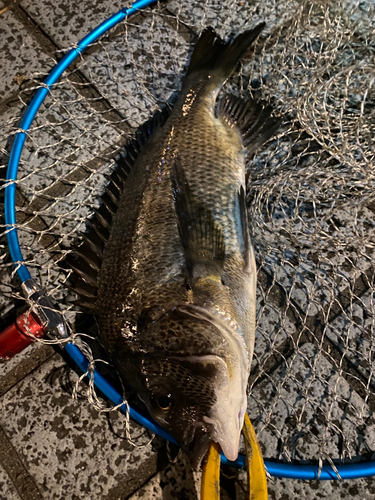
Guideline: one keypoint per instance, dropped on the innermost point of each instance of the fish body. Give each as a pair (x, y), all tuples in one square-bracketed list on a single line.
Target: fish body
[(176, 289)]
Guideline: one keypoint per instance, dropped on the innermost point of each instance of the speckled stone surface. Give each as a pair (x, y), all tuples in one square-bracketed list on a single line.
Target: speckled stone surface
[(65, 134), (70, 449), (12, 363), (237, 16), (6, 299), (7, 488), (135, 68), (126, 68), (66, 23), (353, 335), (315, 273), (270, 332), (20, 55), (10, 113), (176, 481), (307, 407), (50, 167)]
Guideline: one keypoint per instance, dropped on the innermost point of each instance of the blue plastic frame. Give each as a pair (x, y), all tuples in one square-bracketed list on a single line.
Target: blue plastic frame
[(293, 471)]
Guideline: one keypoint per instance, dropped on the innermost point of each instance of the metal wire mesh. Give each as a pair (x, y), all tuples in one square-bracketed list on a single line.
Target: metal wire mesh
[(310, 196)]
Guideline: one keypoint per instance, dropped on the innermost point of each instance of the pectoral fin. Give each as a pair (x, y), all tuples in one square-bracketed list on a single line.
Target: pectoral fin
[(246, 245), (201, 237)]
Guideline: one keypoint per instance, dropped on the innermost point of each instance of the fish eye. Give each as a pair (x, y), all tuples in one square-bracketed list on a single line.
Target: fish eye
[(161, 399)]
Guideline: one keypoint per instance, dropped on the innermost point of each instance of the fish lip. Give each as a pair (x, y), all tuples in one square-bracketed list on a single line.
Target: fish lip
[(202, 439), (228, 444), (198, 447)]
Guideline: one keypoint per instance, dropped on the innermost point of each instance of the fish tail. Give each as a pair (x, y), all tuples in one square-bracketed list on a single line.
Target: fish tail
[(218, 59)]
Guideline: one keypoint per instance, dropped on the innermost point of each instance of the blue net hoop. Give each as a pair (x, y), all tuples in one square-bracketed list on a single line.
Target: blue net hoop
[(282, 470)]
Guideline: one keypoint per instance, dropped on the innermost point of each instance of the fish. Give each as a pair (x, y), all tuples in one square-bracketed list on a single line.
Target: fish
[(168, 266)]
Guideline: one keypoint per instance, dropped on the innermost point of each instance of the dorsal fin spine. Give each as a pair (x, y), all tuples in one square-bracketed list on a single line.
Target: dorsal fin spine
[(87, 266)]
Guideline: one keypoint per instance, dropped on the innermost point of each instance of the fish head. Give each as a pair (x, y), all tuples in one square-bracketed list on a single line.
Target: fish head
[(200, 396)]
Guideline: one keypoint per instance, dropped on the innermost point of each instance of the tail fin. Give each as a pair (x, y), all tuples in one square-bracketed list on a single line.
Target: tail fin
[(217, 58)]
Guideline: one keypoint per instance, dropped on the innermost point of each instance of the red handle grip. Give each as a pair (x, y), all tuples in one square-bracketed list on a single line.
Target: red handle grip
[(19, 335)]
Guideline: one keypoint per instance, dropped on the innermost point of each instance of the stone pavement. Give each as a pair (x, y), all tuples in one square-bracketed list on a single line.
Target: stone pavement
[(56, 447)]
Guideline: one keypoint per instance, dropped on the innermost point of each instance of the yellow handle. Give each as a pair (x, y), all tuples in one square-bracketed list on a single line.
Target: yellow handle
[(256, 471), (210, 489)]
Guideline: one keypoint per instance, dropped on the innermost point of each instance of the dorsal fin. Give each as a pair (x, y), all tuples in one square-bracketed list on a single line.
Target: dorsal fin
[(253, 118), (85, 260)]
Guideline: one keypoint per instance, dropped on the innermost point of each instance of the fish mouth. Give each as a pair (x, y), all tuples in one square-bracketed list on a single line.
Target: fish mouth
[(203, 437), (223, 423), (198, 447), (226, 432)]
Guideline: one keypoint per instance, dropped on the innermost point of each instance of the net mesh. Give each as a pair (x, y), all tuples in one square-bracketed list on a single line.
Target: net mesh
[(310, 196)]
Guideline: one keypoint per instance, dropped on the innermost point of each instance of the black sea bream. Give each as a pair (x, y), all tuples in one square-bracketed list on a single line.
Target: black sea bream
[(169, 271)]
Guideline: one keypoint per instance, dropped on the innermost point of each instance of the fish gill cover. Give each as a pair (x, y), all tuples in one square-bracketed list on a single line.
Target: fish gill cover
[(310, 196)]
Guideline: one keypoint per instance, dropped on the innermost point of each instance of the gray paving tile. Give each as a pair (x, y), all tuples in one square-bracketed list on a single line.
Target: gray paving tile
[(232, 16), (19, 366), (297, 54), (353, 333), (135, 68), (67, 445), (6, 288), (272, 330), (20, 55), (9, 121), (151, 490), (10, 113), (7, 489), (294, 246), (67, 23), (175, 481), (306, 410), (14, 466), (362, 15), (283, 489), (9, 365), (65, 134)]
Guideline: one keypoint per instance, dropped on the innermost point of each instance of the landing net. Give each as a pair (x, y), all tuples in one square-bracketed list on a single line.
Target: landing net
[(310, 196)]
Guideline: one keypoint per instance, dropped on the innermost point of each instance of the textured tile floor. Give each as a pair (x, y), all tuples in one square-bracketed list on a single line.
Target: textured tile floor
[(16, 64), (50, 430), (54, 447)]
